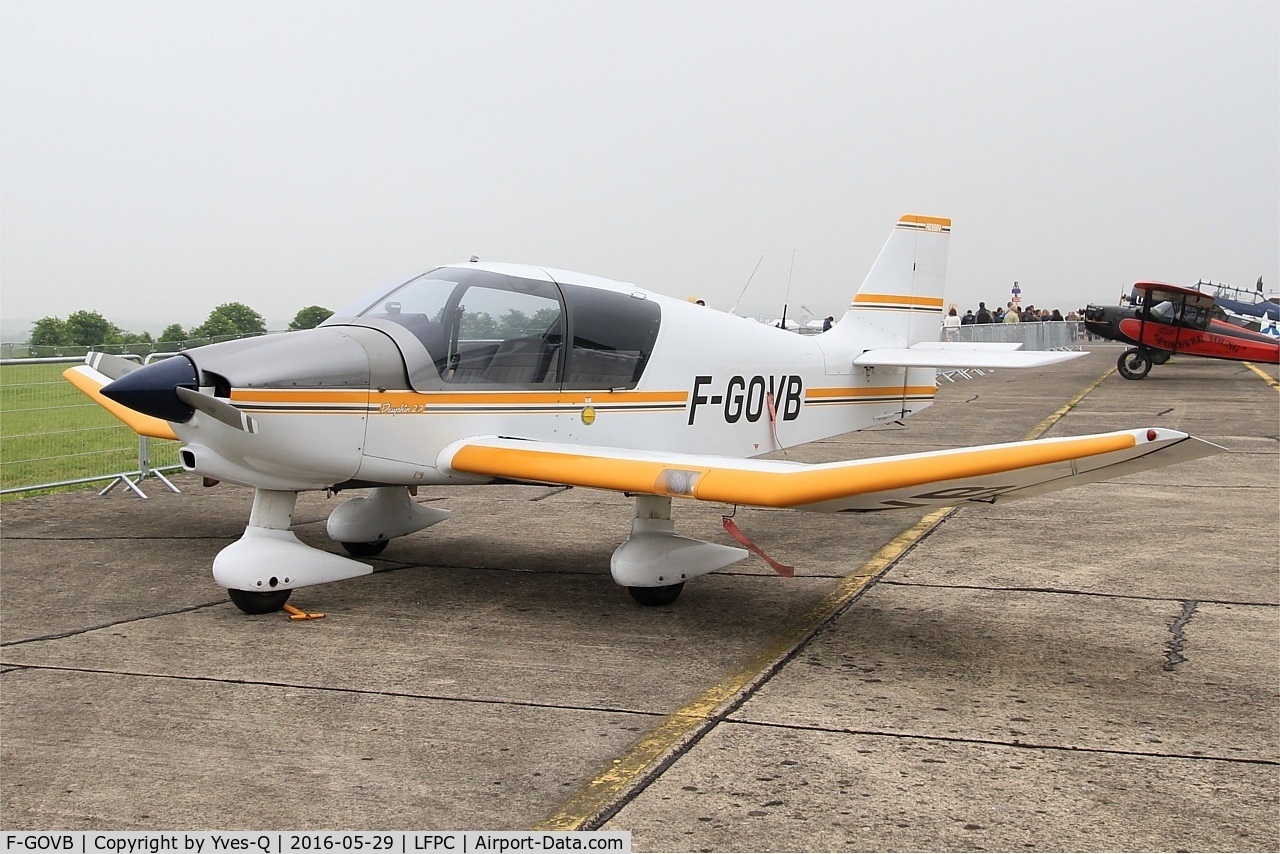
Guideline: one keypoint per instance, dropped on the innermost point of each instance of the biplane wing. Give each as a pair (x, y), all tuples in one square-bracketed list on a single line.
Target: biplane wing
[(988, 474)]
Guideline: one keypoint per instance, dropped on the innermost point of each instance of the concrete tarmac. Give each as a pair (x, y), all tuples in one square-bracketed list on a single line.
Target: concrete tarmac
[(1095, 669)]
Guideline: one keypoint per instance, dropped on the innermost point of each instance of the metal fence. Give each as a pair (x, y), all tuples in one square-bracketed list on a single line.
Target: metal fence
[(141, 349), (52, 435), (1049, 335)]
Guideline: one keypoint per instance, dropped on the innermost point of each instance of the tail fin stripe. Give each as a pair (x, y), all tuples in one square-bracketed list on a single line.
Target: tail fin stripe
[(898, 301)]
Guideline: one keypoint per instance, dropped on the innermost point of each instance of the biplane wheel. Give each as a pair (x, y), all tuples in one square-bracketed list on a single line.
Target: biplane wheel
[(655, 596), (1134, 364), (365, 549), (253, 602), (1160, 357)]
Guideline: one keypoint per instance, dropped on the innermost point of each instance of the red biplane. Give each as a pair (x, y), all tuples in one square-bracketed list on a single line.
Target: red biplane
[(1167, 319)]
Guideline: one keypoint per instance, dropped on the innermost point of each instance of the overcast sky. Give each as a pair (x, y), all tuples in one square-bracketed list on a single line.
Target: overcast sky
[(159, 159)]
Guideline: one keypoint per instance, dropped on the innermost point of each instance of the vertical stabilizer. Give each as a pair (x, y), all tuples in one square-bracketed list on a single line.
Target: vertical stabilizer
[(902, 295)]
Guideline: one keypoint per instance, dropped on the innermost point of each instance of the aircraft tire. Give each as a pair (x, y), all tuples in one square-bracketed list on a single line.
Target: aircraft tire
[(365, 549), (656, 596), (1159, 357), (253, 602), (1134, 364)]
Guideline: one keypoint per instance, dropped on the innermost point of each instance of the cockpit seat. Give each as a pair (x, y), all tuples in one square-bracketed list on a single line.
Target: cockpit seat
[(590, 368), (520, 361)]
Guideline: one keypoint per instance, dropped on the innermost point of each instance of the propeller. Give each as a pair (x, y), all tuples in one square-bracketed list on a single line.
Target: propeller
[(217, 409), (110, 366)]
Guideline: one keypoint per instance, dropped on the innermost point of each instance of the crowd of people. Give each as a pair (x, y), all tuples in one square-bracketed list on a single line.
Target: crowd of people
[(1010, 313)]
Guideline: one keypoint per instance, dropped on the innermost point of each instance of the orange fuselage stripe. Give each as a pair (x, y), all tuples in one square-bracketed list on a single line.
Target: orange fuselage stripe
[(313, 396), (878, 391)]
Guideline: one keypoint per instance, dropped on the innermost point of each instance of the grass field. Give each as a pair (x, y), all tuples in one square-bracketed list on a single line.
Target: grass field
[(51, 432)]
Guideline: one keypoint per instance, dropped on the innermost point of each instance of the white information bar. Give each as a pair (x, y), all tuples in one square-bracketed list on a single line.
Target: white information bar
[(309, 842)]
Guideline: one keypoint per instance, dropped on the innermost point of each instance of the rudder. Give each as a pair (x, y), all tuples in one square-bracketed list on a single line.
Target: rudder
[(902, 295)]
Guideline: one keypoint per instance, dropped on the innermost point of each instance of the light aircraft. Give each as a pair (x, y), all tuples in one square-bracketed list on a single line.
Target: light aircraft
[(478, 373), (1249, 309), (1167, 319)]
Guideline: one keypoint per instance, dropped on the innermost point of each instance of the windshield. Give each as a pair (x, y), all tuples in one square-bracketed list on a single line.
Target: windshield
[(1186, 315)]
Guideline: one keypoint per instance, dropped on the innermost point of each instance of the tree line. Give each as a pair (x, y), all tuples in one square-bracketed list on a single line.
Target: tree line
[(229, 320)]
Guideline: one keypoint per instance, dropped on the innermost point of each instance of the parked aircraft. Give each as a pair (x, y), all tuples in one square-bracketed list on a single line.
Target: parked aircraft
[(1246, 308), (478, 373), (1167, 319)]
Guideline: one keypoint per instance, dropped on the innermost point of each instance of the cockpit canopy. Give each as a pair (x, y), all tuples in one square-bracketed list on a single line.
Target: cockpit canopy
[(476, 327)]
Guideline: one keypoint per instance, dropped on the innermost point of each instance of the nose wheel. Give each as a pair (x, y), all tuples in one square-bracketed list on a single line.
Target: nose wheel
[(253, 602)]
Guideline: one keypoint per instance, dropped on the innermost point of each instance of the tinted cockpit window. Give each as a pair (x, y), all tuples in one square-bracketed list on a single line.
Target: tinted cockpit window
[(481, 327), (613, 336)]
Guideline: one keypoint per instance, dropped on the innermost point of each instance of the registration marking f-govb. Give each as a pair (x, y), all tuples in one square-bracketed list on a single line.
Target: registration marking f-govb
[(752, 397)]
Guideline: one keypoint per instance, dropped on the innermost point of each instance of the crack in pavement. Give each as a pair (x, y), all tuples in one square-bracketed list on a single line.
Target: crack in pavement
[(1173, 649), (1064, 591), (1023, 745), (330, 689)]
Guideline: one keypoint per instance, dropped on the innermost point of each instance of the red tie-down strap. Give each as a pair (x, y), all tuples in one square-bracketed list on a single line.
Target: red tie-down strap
[(773, 421), (736, 532)]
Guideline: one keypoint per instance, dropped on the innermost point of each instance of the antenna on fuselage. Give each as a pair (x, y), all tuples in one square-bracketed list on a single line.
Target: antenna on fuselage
[(787, 299), (734, 310)]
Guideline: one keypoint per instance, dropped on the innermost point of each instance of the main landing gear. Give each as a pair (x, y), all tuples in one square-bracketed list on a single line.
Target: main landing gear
[(1135, 363), (372, 549), (654, 563)]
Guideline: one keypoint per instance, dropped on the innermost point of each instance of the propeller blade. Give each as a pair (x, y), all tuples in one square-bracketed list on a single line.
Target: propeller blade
[(218, 409), (110, 366)]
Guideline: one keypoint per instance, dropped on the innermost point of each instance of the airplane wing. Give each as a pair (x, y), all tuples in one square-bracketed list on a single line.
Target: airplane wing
[(940, 354), (90, 381), (989, 474)]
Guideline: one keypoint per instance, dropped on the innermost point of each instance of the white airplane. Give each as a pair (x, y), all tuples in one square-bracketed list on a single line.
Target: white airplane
[(479, 373)]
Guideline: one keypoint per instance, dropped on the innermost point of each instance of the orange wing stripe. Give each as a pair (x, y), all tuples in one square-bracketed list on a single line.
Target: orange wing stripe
[(772, 488)]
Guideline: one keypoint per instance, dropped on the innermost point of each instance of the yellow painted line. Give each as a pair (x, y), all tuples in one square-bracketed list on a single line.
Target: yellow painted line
[(679, 727), (1043, 427), (646, 756), (1267, 378)]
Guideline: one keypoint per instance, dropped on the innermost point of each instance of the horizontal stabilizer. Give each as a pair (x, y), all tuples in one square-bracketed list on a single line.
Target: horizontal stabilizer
[(987, 474), (967, 345), (920, 357)]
